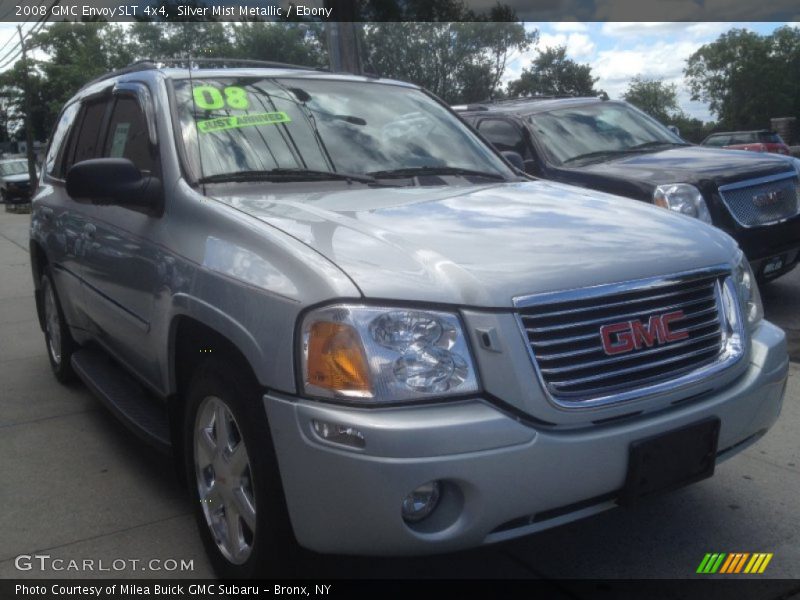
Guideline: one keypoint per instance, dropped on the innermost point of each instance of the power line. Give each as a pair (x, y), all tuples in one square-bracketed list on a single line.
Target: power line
[(18, 49), (35, 28)]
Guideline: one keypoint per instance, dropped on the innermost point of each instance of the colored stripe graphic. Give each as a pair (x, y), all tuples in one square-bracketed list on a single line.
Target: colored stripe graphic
[(722, 563), (711, 563), (729, 563)]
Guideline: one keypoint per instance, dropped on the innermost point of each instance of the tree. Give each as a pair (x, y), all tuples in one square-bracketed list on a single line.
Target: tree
[(76, 53), (747, 78), (553, 74), (653, 96), (460, 60), (295, 43)]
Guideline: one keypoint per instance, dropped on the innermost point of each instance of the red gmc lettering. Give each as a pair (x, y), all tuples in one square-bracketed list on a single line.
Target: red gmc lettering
[(629, 335)]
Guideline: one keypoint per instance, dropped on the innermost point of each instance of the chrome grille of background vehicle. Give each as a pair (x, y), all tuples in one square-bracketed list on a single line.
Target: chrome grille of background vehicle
[(566, 344), (762, 201)]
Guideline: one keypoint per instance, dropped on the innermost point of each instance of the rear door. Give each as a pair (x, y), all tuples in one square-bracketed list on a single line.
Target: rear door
[(59, 221)]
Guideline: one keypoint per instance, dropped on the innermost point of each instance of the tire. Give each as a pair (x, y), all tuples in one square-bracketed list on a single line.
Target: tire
[(59, 342), (235, 485)]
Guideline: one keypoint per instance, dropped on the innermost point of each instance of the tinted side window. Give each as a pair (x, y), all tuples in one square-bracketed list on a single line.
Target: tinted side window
[(88, 137), (55, 153), (743, 138), (766, 137), (127, 135), (504, 135), (719, 141)]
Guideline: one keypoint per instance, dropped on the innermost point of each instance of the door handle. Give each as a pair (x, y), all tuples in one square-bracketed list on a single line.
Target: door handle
[(89, 231)]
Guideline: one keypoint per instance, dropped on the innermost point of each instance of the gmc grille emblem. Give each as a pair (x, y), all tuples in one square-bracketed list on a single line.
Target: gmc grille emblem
[(768, 199), (635, 335)]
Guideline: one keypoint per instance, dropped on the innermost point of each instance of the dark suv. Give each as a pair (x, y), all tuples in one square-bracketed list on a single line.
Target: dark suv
[(613, 147)]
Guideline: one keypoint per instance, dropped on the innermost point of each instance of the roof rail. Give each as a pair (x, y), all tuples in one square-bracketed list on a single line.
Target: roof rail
[(148, 64), (222, 62)]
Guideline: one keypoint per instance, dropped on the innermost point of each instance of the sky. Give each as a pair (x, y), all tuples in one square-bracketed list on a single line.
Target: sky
[(616, 51), (619, 51)]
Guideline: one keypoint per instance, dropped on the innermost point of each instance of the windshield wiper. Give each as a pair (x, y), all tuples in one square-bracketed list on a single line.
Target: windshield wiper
[(639, 148), (286, 175), (655, 144), (443, 170)]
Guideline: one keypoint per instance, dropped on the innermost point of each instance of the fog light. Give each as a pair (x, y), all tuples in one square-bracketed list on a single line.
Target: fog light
[(421, 502), (339, 434)]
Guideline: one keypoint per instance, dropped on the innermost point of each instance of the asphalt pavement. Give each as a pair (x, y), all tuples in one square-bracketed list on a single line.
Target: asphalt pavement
[(76, 485)]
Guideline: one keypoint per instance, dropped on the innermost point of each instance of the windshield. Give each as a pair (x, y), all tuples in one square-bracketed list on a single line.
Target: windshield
[(601, 128), (257, 125), (18, 167)]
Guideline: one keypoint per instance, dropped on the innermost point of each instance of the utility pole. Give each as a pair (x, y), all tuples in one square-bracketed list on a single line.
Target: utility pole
[(343, 47), (28, 130)]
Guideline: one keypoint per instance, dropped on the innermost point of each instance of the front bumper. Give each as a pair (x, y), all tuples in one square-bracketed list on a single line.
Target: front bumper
[(503, 478)]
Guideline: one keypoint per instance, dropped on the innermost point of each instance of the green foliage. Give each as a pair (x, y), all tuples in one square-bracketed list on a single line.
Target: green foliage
[(553, 74), (295, 43), (460, 61), (653, 96), (691, 129), (79, 52), (747, 78)]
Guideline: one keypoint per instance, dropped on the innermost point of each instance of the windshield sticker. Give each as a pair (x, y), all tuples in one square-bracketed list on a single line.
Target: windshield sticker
[(207, 97), (237, 121)]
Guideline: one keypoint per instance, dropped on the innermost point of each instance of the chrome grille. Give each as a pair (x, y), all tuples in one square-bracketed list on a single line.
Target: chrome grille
[(563, 330), (762, 201)]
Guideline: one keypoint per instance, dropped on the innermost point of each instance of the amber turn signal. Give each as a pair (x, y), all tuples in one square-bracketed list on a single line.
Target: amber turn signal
[(336, 360)]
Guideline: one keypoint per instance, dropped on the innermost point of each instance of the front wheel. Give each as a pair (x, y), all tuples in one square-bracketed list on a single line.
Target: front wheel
[(234, 478)]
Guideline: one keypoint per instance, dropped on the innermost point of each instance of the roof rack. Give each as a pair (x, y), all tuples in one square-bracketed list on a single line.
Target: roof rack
[(148, 64)]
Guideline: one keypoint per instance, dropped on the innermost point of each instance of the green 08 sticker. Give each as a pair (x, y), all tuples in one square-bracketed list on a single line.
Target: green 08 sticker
[(207, 97)]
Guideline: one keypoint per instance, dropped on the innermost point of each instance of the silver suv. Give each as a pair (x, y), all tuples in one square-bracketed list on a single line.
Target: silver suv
[(360, 331)]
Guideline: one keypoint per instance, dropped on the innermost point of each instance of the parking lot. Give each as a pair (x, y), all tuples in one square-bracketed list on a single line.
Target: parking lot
[(77, 485)]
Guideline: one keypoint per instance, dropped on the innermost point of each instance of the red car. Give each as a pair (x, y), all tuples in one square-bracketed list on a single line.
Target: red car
[(761, 140)]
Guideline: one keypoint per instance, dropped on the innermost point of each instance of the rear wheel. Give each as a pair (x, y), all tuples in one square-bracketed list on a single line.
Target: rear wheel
[(233, 474), (60, 344)]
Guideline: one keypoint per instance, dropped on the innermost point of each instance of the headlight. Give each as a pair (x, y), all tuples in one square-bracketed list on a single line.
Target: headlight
[(378, 354), (796, 162), (683, 198), (747, 289)]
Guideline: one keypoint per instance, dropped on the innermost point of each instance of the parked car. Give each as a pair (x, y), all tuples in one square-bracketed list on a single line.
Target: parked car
[(613, 147), (360, 331), (762, 140), (15, 184)]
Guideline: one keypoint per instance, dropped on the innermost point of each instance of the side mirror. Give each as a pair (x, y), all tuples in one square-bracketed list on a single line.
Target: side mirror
[(674, 130), (515, 158), (113, 181)]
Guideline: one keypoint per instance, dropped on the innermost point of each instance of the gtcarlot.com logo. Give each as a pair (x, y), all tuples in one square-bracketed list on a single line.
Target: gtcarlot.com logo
[(44, 562), (734, 563)]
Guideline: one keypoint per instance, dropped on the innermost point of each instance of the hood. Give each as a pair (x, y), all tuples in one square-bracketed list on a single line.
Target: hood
[(690, 164), (484, 245)]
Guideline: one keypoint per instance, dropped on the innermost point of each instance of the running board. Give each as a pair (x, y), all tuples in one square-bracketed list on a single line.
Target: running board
[(141, 413)]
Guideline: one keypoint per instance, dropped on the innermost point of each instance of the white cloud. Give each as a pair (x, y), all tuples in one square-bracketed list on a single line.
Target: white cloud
[(569, 26), (637, 30), (579, 45)]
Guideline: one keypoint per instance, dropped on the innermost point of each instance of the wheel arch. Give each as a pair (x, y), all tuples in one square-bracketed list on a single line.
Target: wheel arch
[(193, 340)]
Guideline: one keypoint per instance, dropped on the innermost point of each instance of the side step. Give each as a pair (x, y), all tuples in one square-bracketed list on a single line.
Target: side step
[(120, 392)]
